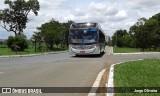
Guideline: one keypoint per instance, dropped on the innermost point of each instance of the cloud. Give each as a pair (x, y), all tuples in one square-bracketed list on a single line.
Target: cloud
[(97, 6), (50, 4), (111, 14), (141, 4), (94, 12), (121, 14)]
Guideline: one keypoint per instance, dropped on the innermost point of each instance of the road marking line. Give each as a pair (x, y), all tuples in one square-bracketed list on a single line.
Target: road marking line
[(110, 52), (50, 61), (110, 82), (136, 53), (96, 83), (57, 60)]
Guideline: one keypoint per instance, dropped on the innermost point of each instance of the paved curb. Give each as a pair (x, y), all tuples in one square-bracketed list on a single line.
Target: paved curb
[(31, 55), (111, 78), (136, 53), (96, 83)]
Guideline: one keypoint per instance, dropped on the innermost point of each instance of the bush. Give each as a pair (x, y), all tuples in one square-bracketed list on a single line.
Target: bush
[(17, 43)]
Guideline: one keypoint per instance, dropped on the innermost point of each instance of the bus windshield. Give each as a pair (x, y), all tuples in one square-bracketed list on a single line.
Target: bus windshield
[(83, 36)]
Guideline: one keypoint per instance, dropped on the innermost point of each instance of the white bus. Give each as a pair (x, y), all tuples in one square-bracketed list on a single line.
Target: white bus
[(86, 39)]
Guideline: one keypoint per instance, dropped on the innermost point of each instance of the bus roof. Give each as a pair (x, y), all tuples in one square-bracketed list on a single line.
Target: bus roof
[(84, 25)]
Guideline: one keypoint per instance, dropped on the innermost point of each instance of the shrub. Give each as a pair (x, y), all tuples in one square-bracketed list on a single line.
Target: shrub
[(17, 43)]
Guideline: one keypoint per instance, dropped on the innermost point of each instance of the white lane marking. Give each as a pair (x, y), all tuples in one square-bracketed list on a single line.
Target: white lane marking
[(110, 52), (136, 53), (57, 60), (50, 61), (110, 83), (96, 83)]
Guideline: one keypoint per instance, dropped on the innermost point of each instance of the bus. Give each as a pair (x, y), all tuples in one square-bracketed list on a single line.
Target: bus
[(86, 39)]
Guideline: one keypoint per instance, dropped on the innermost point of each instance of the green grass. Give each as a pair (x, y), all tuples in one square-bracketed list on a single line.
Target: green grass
[(6, 51), (131, 50), (125, 50), (145, 73)]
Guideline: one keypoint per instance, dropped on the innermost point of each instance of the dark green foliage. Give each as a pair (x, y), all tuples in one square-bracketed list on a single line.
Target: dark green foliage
[(17, 43), (147, 33), (119, 37), (37, 38), (109, 43), (52, 33), (15, 17), (66, 31), (144, 34)]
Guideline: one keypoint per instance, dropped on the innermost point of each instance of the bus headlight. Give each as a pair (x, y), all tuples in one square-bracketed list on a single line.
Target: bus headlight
[(72, 46), (75, 46), (94, 45)]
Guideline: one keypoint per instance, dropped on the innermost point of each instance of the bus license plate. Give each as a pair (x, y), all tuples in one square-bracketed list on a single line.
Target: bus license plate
[(82, 52)]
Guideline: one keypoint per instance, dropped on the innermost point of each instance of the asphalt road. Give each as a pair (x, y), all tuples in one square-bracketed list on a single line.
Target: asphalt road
[(58, 70)]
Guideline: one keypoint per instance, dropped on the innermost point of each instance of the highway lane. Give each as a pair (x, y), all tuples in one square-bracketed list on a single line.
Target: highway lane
[(53, 70), (34, 59), (57, 70)]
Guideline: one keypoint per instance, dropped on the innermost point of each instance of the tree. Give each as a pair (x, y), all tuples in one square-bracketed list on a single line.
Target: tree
[(17, 43), (156, 23), (37, 38), (140, 33), (144, 34), (109, 42), (153, 30), (66, 27), (55, 32), (15, 17), (127, 40), (118, 38), (52, 33), (133, 43)]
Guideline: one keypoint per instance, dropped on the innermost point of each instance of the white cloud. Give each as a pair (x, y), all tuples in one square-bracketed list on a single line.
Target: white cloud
[(140, 4), (121, 14), (69, 17), (51, 3), (110, 11), (97, 6), (111, 14)]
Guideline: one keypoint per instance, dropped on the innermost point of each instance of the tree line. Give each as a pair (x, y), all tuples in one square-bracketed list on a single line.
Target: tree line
[(14, 19), (144, 34), (51, 33)]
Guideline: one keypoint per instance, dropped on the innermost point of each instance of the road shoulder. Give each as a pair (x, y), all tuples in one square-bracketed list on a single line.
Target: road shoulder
[(31, 55)]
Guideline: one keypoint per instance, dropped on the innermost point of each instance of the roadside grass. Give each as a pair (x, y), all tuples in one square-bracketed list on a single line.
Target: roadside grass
[(125, 50), (7, 51), (130, 50), (143, 73)]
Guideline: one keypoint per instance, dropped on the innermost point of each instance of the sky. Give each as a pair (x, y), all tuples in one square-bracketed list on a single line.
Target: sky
[(110, 14)]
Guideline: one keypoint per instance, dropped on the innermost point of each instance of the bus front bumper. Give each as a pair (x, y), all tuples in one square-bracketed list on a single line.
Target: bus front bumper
[(73, 51)]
